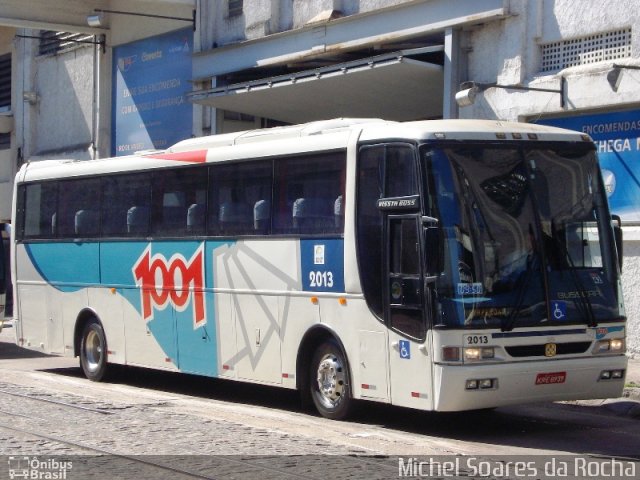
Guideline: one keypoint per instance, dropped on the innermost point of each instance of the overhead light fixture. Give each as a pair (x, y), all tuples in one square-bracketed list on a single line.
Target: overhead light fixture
[(469, 90), (97, 19), (30, 97), (614, 77)]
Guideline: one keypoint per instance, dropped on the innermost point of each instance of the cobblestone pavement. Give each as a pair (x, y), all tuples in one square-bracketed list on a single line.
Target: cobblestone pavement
[(105, 439), (134, 429), (158, 425)]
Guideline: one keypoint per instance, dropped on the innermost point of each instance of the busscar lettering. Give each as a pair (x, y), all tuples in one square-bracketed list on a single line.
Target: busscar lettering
[(574, 295), (175, 282), (397, 203)]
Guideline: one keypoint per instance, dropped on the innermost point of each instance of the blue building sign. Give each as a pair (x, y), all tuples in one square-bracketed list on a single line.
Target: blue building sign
[(617, 138), (150, 80)]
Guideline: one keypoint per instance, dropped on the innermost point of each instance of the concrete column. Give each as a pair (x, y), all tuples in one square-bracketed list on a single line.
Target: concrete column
[(451, 72)]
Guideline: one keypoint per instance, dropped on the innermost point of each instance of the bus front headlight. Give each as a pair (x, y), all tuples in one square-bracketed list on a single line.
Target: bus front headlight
[(613, 345), (474, 354)]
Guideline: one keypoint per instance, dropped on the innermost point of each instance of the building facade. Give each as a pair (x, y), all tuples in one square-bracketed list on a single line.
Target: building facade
[(110, 77)]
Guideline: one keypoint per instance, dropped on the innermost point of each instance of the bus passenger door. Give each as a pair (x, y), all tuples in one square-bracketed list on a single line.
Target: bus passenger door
[(409, 362)]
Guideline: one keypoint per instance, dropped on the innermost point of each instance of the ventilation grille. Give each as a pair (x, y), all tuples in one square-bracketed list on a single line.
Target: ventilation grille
[(5, 82), (235, 8), (585, 50)]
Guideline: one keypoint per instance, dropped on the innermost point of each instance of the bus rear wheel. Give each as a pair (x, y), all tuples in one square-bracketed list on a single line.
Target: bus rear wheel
[(93, 351), (329, 382)]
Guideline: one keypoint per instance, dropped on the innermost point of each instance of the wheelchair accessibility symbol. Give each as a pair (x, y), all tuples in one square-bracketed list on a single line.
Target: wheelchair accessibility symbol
[(405, 349), (559, 310)]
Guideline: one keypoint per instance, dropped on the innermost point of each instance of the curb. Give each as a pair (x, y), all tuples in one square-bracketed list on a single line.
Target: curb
[(631, 393)]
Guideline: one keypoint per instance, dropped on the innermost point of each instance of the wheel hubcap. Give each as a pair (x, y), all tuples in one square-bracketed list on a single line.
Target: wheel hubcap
[(93, 351), (330, 380)]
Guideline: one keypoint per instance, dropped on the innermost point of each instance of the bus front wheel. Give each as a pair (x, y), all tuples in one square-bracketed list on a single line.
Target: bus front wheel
[(93, 351), (329, 382)]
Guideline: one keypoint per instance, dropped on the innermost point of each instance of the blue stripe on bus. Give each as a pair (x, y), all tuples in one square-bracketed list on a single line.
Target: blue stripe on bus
[(69, 266), (545, 333), (190, 342), (182, 320)]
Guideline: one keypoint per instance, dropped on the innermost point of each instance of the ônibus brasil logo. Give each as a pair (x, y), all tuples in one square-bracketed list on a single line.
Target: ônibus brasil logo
[(176, 281)]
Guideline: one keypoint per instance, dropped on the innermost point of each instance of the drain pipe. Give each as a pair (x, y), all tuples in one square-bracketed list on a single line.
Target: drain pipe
[(95, 121)]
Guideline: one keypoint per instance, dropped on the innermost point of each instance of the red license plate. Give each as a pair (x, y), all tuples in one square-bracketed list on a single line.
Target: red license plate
[(551, 378)]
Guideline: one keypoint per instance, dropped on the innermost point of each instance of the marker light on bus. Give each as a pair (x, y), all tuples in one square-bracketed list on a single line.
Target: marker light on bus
[(613, 345), (451, 354), (481, 384), (471, 384), (486, 383), (612, 374)]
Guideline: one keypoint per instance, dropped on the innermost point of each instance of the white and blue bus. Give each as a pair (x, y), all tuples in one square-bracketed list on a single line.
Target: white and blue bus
[(437, 265)]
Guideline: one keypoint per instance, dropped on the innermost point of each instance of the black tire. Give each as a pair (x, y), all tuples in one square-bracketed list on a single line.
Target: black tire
[(93, 351), (329, 382)]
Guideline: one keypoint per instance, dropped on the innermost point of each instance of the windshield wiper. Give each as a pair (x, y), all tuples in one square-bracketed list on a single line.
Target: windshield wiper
[(583, 304), (508, 323)]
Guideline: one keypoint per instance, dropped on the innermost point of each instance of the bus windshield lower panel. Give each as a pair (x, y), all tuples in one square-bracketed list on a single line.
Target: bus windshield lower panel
[(527, 236)]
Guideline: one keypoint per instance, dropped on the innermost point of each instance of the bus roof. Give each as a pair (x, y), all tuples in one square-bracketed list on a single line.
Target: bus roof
[(304, 138), (472, 130)]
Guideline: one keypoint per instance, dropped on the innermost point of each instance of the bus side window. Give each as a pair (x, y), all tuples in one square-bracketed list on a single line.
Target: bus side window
[(173, 192), (400, 171), (76, 196), (240, 198), (125, 206), (306, 189), (261, 216), (87, 222), (311, 214), (138, 220), (196, 218), (174, 211), (37, 202), (369, 225), (235, 215), (338, 212)]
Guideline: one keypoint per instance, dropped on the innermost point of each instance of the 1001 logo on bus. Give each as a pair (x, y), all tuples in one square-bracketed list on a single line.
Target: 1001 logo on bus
[(176, 282)]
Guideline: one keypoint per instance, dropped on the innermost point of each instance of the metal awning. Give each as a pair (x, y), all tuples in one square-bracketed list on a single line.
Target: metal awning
[(392, 86)]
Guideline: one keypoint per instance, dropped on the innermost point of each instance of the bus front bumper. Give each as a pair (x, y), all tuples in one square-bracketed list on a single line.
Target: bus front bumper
[(469, 387)]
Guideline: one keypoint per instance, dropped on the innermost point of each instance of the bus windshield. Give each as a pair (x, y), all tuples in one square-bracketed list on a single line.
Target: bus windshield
[(527, 236)]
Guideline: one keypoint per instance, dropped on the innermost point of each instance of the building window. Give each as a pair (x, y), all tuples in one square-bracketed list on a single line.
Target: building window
[(5, 96), (238, 117), (235, 8), (57, 42), (5, 83), (595, 48)]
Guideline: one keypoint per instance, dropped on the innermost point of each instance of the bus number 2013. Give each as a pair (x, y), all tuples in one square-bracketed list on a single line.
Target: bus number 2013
[(477, 339), (321, 279)]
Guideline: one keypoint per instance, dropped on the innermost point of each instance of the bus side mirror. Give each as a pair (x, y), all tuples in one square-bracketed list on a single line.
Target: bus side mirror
[(617, 235), (433, 254)]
